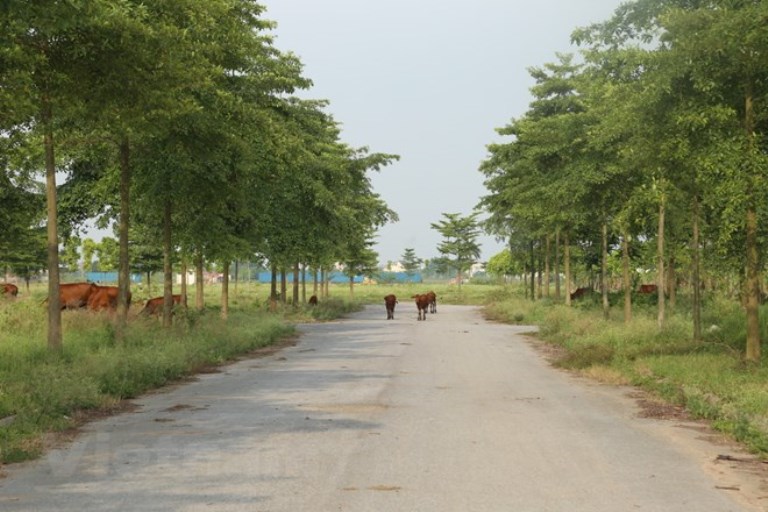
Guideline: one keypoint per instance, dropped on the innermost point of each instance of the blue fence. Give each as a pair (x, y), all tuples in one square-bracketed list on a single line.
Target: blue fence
[(108, 277)]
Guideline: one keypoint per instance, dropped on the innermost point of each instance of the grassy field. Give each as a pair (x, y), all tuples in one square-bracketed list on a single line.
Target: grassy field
[(42, 392)]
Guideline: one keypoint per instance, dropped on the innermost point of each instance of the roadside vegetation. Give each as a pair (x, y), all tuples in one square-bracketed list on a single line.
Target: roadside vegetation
[(43, 392), (710, 377)]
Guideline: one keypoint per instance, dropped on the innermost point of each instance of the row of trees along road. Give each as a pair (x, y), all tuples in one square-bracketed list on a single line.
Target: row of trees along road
[(657, 136), (177, 121)]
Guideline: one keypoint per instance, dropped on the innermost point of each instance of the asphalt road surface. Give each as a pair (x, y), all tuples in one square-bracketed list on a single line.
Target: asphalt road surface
[(449, 414)]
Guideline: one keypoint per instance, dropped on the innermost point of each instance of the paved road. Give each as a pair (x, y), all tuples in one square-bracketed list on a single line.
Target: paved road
[(450, 414)]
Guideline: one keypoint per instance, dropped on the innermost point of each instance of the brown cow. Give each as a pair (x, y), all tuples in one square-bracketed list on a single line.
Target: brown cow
[(105, 297), (75, 295), (422, 303), (647, 288), (313, 300), (580, 292), (389, 302), (155, 306), (10, 290), (432, 301)]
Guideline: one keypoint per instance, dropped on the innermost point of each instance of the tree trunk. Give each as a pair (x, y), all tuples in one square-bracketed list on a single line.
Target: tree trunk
[(672, 282), (557, 264), (167, 265), (752, 352), (283, 286), (604, 271), (273, 283), (625, 262), (225, 291), (273, 288), (295, 299), (314, 281), (183, 290), (199, 299), (533, 272), (547, 275), (660, 265), (567, 264), (696, 271), (237, 272), (124, 274), (539, 272), (54, 304), (304, 284)]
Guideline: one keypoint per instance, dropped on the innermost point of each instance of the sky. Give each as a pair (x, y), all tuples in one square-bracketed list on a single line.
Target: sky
[(430, 81)]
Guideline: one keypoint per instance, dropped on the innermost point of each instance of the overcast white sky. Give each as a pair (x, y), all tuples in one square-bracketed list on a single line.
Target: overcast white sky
[(428, 80)]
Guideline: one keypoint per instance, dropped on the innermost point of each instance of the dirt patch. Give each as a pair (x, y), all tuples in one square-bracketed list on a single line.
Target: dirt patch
[(79, 419), (551, 352), (290, 341), (346, 408), (657, 409)]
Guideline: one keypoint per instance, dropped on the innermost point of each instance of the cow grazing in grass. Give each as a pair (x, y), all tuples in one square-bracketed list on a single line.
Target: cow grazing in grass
[(313, 300), (154, 306), (648, 288), (75, 295), (580, 293), (432, 301), (389, 302), (10, 290), (105, 297), (422, 303)]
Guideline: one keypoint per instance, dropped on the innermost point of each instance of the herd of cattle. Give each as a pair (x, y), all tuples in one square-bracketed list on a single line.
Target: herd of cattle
[(425, 302), (94, 297)]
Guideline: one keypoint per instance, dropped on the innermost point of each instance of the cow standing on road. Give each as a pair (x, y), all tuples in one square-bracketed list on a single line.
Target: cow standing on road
[(432, 301), (422, 303), (389, 302)]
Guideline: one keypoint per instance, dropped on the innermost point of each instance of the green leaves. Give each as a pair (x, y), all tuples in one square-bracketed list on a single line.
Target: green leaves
[(459, 246)]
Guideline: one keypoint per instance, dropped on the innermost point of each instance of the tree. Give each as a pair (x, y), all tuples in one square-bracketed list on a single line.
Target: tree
[(502, 265), (71, 254), (712, 61), (410, 262), (459, 247), (39, 90), (360, 260)]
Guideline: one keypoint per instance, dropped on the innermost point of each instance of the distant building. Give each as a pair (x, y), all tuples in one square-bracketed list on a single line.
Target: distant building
[(394, 267), (476, 269)]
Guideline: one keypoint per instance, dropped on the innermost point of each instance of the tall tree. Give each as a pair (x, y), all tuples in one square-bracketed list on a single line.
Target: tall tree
[(459, 246), (410, 262)]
